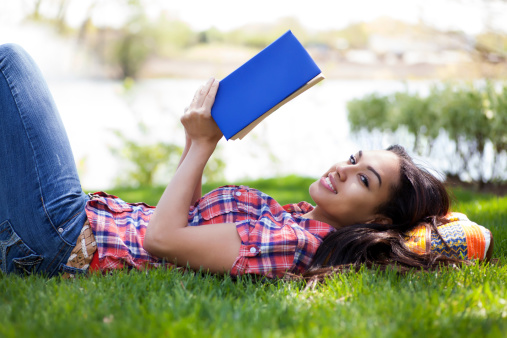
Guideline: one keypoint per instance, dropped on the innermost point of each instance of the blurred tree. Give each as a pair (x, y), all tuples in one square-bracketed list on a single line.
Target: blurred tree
[(86, 26), (369, 113), (132, 47), (58, 21), (61, 22), (210, 35), (35, 13), (170, 36)]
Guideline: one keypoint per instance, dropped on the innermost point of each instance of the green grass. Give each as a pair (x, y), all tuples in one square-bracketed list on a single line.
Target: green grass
[(466, 302), (288, 189), (487, 210)]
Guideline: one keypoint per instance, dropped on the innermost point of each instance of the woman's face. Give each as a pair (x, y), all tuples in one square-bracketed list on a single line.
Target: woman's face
[(350, 192)]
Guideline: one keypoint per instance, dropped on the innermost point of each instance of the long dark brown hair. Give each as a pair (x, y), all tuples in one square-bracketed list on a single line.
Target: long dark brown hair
[(419, 197)]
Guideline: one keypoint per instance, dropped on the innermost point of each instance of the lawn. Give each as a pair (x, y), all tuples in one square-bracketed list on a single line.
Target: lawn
[(466, 302)]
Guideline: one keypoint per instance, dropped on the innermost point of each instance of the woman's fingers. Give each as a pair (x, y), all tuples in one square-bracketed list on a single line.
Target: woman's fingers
[(202, 93), (209, 99), (197, 120), (196, 97)]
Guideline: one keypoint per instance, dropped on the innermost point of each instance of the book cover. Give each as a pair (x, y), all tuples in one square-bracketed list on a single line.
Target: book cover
[(274, 76)]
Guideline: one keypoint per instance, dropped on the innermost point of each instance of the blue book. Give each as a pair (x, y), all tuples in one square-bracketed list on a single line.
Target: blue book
[(274, 76)]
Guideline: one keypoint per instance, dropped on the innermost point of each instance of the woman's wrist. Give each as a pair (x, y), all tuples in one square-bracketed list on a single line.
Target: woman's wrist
[(204, 145)]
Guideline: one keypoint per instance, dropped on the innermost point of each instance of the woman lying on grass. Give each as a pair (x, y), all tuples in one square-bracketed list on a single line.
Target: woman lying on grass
[(364, 207)]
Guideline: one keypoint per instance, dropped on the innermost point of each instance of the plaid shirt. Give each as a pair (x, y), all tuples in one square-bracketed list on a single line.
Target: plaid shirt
[(274, 239)]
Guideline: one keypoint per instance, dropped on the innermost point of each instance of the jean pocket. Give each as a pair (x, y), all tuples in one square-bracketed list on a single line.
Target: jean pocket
[(16, 256)]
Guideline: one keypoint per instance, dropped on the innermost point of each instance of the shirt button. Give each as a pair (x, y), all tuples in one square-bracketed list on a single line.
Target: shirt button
[(238, 193), (60, 230), (253, 250)]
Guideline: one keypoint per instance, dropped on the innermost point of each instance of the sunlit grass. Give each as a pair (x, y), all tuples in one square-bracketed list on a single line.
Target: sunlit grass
[(288, 189), (487, 210), (466, 302)]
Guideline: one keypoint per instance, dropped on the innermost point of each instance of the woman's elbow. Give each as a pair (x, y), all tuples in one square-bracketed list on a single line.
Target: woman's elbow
[(154, 243), (148, 243)]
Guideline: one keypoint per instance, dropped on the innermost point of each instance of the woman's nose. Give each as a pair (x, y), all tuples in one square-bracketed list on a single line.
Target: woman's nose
[(341, 170)]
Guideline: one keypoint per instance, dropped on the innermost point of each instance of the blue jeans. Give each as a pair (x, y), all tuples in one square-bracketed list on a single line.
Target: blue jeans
[(42, 205)]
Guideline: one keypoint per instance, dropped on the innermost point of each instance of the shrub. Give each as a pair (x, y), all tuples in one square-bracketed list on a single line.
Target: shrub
[(472, 118)]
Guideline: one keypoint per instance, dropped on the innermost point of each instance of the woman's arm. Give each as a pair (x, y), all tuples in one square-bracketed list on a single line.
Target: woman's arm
[(198, 189), (212, 247)]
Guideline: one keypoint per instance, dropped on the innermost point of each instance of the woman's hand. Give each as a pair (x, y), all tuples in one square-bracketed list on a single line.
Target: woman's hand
[(199, 125)]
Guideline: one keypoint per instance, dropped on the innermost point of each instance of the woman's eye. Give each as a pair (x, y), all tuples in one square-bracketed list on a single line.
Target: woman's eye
[(365, 181), (352, 159)]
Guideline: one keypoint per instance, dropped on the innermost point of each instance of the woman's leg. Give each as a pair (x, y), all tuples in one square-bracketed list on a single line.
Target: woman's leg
[(41, 200)]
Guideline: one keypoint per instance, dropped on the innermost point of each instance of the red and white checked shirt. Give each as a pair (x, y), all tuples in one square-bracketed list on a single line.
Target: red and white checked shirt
[(274, 239)]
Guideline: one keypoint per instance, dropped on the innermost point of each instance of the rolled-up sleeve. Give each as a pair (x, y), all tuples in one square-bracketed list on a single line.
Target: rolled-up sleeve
[(272, 250)]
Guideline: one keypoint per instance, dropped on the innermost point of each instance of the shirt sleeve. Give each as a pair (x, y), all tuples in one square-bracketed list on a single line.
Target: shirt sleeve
[(272, 250)]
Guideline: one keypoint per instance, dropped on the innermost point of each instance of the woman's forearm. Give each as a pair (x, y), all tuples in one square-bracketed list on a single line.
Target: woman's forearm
[(198, 189), (165, 232), (172, 209)]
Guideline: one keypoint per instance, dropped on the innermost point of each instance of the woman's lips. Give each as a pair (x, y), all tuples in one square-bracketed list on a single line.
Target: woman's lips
[(326, 182)]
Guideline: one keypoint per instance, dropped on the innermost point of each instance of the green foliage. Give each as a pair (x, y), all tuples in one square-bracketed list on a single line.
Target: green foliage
[(418, 115), (369, 112), (464, 118), (129, 53), (171, 36), (144, 160), (496, 107), (470, 116), (129, 47), (214, 170), (210, 35)]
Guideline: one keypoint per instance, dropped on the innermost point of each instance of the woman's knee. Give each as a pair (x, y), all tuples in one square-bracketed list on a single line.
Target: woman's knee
[(11, 51)]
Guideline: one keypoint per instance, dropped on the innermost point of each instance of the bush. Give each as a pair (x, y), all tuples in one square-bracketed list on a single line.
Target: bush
[(370, 113), (472, 118), (144, 161), (148, 164)]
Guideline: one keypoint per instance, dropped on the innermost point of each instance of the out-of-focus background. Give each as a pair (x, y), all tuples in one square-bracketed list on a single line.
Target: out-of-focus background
[(426, 73)]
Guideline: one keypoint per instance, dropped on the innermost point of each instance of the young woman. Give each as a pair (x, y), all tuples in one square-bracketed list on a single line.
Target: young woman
[(364, 206)]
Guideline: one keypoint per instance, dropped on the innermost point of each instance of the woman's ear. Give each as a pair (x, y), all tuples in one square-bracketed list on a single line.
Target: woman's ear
[(380, 219)]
